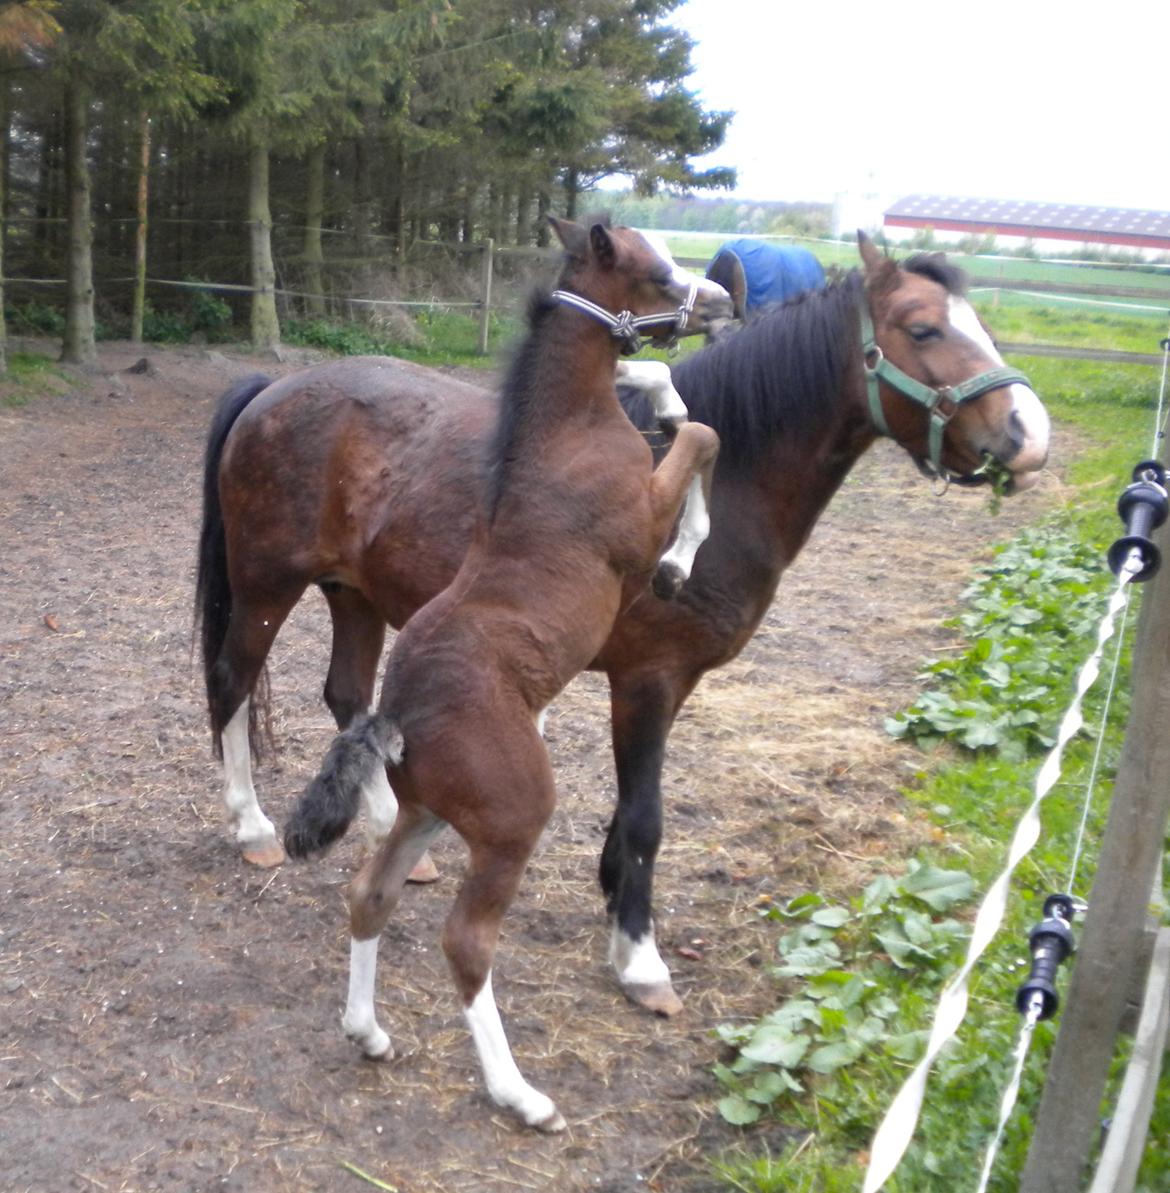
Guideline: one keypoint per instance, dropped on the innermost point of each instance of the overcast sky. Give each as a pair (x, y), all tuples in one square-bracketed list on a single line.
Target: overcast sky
[(1011, 99)]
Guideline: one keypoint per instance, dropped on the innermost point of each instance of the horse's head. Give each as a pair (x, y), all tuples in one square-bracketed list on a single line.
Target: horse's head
[(937, 384), (631, 277)]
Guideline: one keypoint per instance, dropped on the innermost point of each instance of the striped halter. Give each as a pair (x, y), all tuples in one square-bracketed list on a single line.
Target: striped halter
[(625, 325)]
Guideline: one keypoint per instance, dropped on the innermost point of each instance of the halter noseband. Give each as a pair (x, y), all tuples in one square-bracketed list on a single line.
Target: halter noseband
[(941, 403), (624, 325)]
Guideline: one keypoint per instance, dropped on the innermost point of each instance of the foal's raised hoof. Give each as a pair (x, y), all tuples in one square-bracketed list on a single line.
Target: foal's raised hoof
[(425, 871), (267, 854), (658, 997), (668, 579)]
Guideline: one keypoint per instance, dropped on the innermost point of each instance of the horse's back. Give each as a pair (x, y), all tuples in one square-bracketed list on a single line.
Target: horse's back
[(337, 468), (775, 273)]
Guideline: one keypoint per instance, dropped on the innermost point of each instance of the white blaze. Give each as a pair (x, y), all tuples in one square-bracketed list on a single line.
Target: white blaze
[(1027, 408)]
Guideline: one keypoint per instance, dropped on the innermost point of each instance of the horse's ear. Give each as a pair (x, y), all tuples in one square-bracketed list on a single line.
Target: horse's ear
[(602, 244), (572, 236), (879, 269)]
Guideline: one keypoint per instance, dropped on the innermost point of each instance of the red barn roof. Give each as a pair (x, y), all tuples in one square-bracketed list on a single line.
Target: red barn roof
[(1135, 227)]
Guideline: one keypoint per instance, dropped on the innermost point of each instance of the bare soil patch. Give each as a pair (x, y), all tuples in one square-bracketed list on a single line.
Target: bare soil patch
[(169, 1017)]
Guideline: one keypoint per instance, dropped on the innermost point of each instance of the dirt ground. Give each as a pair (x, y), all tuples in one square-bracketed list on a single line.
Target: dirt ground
[(169, 1017)]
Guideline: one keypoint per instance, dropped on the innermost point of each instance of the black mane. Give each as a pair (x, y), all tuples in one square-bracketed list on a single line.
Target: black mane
[(780, 374), (520, 399)]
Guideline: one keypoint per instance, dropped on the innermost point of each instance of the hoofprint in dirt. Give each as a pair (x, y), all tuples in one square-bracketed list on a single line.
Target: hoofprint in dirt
[(169, 1018)]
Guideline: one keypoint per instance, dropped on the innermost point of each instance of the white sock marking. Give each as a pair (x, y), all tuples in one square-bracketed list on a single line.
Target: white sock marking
[(637, 962), (249, 823), (504, 1081), (652, 377), (693, 529), (360, 1019)]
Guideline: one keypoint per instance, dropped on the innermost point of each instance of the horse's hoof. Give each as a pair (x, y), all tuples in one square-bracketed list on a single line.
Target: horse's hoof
[(266, 855), (552, 1125), (375, 1046), (425, 871), (668, 579), (658, 997)]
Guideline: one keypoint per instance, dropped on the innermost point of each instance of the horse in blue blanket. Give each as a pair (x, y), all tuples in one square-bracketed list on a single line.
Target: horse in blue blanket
[(757, 274)]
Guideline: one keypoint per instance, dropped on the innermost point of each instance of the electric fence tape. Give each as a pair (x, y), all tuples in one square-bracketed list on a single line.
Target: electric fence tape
[(897, 1128)]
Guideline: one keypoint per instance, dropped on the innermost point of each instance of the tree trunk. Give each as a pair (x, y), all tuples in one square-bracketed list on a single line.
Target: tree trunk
[(78, 346), (314, 209), (361, 207), (543, 208), (524, 215), (265, 325), (4, 120), (139, 309), (572, 191)]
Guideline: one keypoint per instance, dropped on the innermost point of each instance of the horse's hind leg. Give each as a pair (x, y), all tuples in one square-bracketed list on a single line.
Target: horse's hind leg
[(469, 940), (359, 632), (231, 684), (373, 896)]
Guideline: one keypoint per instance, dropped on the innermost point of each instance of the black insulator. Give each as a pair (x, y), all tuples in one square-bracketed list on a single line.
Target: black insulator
[(1051, 941), (1143, 508)]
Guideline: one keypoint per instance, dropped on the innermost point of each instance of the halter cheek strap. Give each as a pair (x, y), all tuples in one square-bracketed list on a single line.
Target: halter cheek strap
[(624, 325), (941, 403)]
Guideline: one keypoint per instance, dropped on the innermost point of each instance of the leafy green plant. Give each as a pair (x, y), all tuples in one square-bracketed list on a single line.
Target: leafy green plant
[(1025, 611), (844, 1010)]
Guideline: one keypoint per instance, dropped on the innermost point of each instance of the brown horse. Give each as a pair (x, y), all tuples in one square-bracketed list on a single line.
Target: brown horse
[(574, 519), (394, 452)]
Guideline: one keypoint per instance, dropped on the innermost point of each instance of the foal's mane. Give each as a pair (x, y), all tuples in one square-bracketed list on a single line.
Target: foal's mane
[(520, 406)]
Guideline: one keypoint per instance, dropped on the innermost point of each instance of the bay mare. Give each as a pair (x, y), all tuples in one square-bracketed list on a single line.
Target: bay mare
[(400, 450)]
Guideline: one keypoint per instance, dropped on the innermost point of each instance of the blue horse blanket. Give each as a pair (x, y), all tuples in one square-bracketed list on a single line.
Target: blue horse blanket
[(775, 272)]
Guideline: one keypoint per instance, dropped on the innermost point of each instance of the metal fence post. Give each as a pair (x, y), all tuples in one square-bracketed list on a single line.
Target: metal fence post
[(485, 298)]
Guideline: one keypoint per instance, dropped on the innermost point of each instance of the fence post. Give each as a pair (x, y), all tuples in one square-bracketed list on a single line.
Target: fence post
[(1067, 1123), (485, 298)]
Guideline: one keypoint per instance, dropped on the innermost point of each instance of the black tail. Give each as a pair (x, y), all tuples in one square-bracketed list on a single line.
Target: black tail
[(213, 594), (330, 802)]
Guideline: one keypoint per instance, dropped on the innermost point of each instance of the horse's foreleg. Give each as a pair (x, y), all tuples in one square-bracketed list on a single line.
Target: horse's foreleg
[(358, 636), (683, 477), (359, 632), (643, 711), (652, 377), (373, 896)]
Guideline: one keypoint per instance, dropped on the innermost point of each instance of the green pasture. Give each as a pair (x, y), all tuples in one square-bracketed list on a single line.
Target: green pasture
[(870, 969)]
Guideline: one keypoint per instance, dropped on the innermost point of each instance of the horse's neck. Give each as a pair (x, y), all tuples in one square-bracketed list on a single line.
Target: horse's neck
[(576, 370), (797, 482)]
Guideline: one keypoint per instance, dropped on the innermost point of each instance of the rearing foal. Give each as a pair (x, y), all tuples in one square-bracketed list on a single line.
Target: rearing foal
[(574, 518)]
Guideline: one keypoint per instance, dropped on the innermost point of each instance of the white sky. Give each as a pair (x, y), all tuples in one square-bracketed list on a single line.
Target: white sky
[(1009, 99)]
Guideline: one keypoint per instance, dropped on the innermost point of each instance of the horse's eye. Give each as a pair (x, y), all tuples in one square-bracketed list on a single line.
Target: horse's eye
[(921, 332)]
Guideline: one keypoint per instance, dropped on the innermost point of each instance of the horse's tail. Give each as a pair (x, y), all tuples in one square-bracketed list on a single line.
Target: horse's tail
[(330, 802), (213, 593)]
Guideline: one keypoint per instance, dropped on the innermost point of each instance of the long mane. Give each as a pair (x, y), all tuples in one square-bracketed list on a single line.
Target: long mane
[(520, 405), (781, 374)]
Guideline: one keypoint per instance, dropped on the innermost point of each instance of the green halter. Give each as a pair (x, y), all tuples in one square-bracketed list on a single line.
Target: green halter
[(941, 403)]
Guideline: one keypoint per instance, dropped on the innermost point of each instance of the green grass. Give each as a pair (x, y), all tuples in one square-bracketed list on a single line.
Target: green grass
[(447, 338), (29, 376), (975, 798)]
